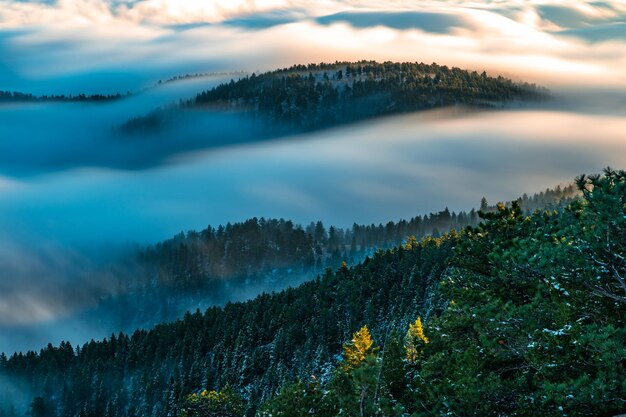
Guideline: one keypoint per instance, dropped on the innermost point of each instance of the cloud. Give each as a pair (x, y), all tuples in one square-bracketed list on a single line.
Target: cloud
[(47, 281), (578, 14), (567, 15), (599, 33), (166, 12), (57, 43), (433, 22), (267, 19), (119, 53)]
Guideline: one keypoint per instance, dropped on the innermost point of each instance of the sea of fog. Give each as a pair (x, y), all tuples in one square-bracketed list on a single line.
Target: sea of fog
[(74, 195), (65, 178)]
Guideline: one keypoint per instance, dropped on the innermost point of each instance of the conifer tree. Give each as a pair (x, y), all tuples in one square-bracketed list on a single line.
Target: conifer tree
[(393, 372)]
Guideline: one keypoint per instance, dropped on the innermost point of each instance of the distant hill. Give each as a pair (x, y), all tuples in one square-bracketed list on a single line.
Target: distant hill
[(216, 264), (310, 97), (20, 97)]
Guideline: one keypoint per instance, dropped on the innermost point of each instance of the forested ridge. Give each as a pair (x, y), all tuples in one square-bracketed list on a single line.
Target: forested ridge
[(200, 268), (309, 97), (20, 97), (520, 315), (257, 246)]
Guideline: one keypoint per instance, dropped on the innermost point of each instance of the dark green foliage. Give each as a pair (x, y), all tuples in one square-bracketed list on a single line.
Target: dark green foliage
[(300, 399), (307, 98), (256, 247), (310, 97), (254, 347), (259, 246), (536, 325), (208, 266), (17, 97), (41, 407), (354, 391), (259, 253), (524, 315), (394, 375), (600, 238), (552, 198)]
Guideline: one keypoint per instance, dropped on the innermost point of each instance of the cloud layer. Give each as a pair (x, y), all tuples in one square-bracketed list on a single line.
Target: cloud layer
[(551, 41)]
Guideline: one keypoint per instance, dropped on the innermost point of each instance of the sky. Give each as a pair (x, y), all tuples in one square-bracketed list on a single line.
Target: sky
[(73, 196), (64, 45)]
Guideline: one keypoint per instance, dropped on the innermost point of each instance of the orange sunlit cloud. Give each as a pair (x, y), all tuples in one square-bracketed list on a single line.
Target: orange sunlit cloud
[(534, 40)]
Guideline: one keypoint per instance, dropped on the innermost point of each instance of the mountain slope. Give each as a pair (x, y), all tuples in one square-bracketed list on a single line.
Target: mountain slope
[(237, 261), (254, 346), (524, 316), (311, 97)]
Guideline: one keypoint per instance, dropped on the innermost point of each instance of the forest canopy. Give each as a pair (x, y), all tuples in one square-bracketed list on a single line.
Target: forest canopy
[(310, 97), (520, 315)]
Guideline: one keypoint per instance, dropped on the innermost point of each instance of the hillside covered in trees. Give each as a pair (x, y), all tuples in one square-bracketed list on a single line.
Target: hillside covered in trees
[(201, 268), (19, 97), (258, 246), (310, 97), (520, 315)]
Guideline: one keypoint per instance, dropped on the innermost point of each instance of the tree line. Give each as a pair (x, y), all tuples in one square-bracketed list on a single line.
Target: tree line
[(19, 97), (310, 97), (325, 95), (200, 268)]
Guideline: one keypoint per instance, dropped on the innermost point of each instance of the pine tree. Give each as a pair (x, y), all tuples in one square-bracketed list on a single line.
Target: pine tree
[(393, 372), (484, 206)]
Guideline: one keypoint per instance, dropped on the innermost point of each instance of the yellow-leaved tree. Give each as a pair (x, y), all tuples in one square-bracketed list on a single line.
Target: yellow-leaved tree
[(355, 351), (225, 403), (415, 341), (411, 243)]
